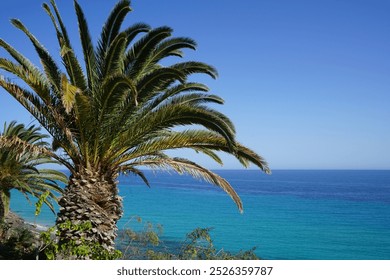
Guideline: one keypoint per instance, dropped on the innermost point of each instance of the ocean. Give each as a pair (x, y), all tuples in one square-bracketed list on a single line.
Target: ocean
[(289, 215)]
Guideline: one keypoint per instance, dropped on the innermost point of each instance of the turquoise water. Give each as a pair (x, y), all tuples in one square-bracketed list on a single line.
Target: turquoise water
[(287, 215)]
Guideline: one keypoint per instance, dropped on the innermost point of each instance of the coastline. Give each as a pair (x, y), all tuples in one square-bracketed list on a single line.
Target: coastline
[(17, 222)]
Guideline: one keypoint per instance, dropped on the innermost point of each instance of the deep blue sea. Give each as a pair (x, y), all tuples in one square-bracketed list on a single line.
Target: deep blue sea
[(299, 215)]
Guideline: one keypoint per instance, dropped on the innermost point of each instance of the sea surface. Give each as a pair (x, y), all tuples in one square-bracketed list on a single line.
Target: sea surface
[(298, 215)]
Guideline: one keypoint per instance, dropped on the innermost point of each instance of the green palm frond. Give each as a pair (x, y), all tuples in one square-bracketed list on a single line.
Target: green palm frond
[(156, 81), (114, 58), (171, 47), (181, 166), (70, 61), (194, 67), (111, 28), (199, 140), (169, 116), (26, 71), (64, 32), (136, 171), (118, 89), (137, 56), (173, 91), (194, 99), (132, 32), (88, 48), (52, 71), (49, 118), (31, 102)]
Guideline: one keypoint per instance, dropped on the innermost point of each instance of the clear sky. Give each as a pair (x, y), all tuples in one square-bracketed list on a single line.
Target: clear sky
[(307, 83)]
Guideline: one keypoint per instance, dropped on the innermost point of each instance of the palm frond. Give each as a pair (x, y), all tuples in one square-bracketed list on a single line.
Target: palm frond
[(171, 47), (29, 144), (117, 89), (173, 91), (88, 49), (111, 28), (194, 99), (210, 153), (138, 55), (173, 115), (70, 61), (33, 81), (28, 72), (135, 171), (52, 71), (194, 67), (134, 30), (181, 166), (156, 81), (114, 58), (199, 140), (32, 103), (64, 32), (21, 147), (47, 116)]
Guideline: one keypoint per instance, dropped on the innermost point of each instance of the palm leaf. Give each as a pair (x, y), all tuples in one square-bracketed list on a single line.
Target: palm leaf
[(70, 61), (194, 67), (181, 166), (88, 49), (111, 28), (51, 69), (198, 140), (137, 57), (135, 171), (114, 59), (171, 47), (32, 75), (133, 31), (175, 90), (156, 81)]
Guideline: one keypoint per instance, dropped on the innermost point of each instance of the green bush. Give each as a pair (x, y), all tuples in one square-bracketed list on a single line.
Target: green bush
[(82, 249)]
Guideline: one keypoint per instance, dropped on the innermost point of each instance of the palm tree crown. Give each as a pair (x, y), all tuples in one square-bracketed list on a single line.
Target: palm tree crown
[(119, 110), (19, 166)]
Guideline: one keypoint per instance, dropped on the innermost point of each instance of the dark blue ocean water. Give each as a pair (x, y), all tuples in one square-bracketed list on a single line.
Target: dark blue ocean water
[(287, 215)]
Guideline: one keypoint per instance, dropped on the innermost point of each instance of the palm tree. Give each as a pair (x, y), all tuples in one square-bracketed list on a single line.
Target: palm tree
[(19, 165), (118, 111)]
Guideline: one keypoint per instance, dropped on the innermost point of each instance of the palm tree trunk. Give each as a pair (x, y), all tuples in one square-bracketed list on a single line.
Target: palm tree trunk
[(2, 207), (90, 197), (5, 196)]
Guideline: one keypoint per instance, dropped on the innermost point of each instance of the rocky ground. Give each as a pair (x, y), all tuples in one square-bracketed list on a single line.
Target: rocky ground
[(18, 239)]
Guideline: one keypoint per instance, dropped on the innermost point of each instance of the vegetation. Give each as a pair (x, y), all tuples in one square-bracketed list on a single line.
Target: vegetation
[(198, 245), (23, 241), (117, 111), (75, 249), (19, 162), (16, 244)]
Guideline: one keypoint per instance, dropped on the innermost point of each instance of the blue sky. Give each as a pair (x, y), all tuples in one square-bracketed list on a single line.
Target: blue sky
[(307, 83)]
